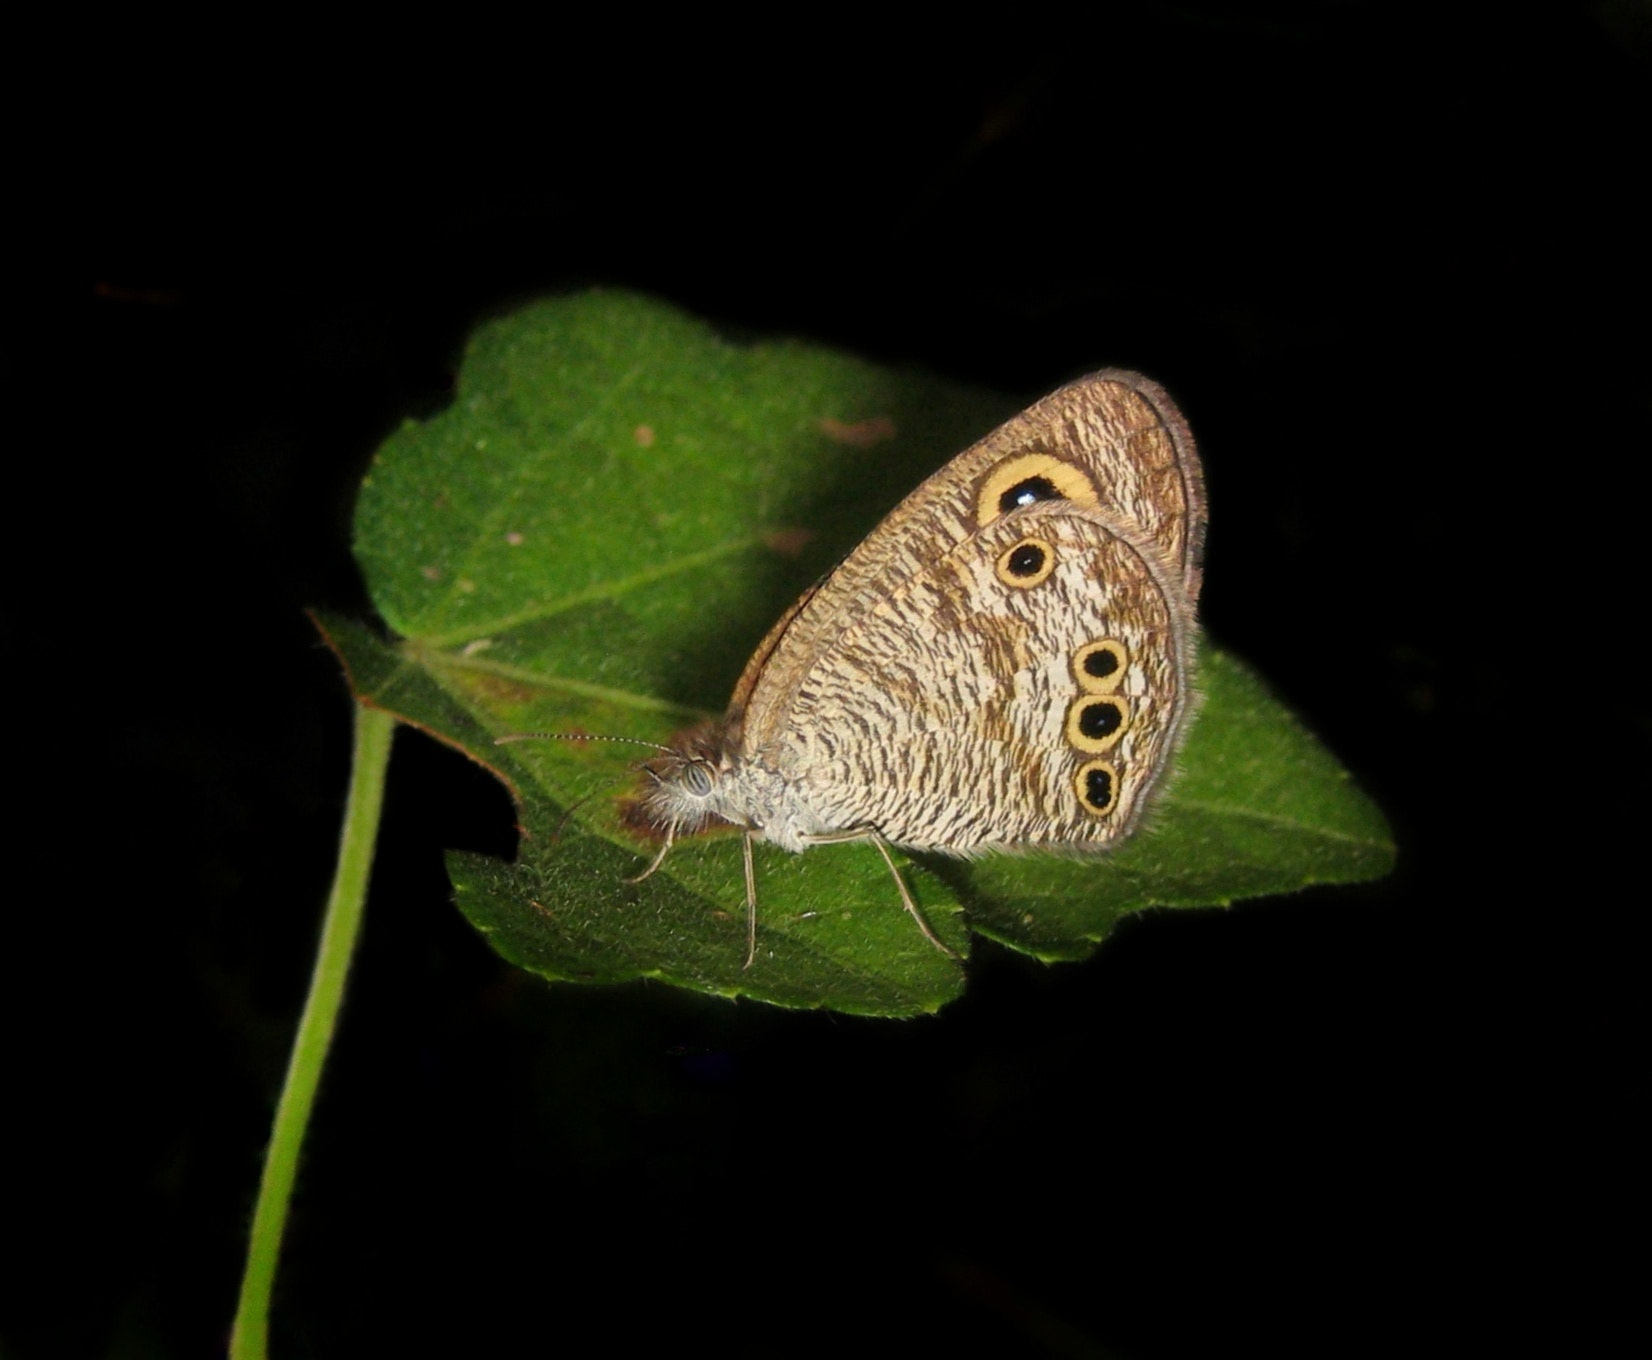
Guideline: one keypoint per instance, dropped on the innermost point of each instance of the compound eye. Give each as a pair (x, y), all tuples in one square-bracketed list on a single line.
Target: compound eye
[(698, 778)]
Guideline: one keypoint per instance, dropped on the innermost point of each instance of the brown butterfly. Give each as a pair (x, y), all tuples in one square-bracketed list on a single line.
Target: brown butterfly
[(1001, 666)]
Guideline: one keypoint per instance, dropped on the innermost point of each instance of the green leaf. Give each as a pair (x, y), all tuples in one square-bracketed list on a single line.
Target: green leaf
[(592, 539)]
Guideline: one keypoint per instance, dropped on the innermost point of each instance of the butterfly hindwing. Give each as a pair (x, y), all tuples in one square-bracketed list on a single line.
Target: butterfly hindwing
[(1023, 691)]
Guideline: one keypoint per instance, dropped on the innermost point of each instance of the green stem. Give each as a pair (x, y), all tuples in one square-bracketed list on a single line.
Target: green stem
[(250, 1338)]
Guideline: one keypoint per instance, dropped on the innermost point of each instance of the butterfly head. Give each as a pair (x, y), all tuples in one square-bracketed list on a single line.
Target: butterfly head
[(688, 788)]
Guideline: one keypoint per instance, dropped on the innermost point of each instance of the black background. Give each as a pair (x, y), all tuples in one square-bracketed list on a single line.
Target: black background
[(1390, 258)]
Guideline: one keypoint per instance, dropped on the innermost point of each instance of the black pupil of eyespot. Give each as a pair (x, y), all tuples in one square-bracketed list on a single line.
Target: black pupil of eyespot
[(1098, 784), (1101, 663), (1026, 560), (1099, 720), (1027, 492)]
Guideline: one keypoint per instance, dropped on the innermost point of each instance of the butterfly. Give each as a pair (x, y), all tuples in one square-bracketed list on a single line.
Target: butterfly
[(1003, 665)]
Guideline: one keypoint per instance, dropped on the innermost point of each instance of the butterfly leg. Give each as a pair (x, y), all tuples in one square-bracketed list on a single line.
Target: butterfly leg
[(751, 887), (867, 833), (906, 896), (751, 903), (659, 859)]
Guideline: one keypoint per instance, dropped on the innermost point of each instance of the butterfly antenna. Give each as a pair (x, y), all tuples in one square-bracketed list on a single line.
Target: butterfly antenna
[(592, 736), (577, 736), (575, 806)]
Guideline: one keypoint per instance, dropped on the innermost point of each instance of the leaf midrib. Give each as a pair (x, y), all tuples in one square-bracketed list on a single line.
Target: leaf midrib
[(607, 590)]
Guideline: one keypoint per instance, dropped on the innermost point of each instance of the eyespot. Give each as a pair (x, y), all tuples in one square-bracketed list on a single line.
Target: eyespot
[(1095, 723), (1097, 786), (1026, 564), (1028, 478), (1028, 491), (1099, 666)]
